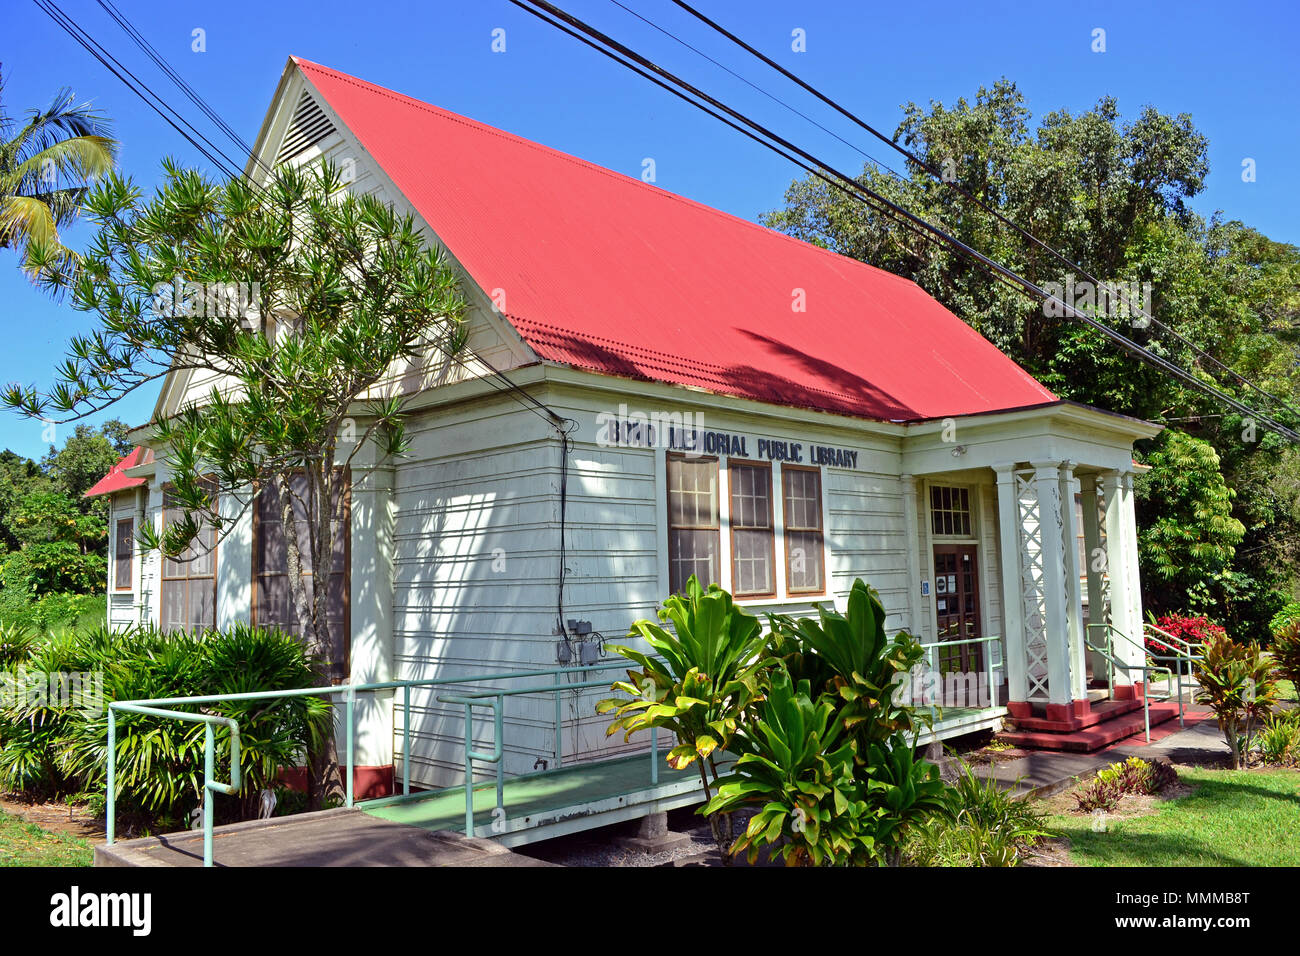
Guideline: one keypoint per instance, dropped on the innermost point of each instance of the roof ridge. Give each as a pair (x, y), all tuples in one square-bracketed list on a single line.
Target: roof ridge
[(595, 167)]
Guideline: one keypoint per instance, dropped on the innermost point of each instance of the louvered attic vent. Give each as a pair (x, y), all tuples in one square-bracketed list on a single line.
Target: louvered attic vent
[(309, 126)]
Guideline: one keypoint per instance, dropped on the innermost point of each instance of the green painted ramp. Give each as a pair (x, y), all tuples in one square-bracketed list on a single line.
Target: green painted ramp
[(541, 805)]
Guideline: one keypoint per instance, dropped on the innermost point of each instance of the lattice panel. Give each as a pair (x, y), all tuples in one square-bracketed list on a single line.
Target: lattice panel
[(1104, 617), (1034, 541)]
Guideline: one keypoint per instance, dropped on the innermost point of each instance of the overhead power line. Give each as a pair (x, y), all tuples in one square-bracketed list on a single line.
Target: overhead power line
[(952, 184), (777, 143), (228, 167)]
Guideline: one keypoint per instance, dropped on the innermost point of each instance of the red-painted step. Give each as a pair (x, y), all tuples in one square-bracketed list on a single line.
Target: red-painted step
[(1092, 738), (1099, 712)]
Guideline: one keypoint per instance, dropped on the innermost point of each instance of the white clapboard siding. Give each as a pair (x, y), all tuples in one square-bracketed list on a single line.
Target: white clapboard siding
[(867, 538)]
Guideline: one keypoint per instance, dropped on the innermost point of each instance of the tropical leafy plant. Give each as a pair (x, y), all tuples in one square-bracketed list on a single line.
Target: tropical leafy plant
[(1138, 775), (1098, 794), (1286, 654), (50, 746), (1279, 739), (796, 761), (903, 788), (985, 826), (850, 656), (1236, 681), (700, 687), (46, 167)]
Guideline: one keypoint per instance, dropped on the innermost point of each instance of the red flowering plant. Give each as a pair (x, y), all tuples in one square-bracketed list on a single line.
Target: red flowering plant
[(1193, 630)]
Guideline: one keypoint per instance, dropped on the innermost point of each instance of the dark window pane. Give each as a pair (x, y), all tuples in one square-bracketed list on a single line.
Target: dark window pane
[(692, 521), (751, 529), (122, 554)]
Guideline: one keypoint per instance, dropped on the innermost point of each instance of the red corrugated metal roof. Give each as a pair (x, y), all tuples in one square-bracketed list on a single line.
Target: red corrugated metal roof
[(605, 272), (115, 480)]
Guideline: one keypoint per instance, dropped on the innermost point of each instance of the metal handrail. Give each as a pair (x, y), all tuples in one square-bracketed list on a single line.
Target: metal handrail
[(497, 701), (1165, 639), (1112, 661), (989, 666), (157, 707)]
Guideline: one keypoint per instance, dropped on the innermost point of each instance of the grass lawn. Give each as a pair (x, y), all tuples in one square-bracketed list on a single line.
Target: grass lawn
[(1234, 818), (26, 844)]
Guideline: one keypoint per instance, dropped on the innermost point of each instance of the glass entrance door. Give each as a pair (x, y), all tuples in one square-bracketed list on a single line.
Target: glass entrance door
[(957, 607)]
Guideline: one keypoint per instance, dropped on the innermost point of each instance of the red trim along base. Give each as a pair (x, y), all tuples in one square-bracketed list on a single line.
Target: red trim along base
[(1020, 708), (1134, 691), (368, 783)]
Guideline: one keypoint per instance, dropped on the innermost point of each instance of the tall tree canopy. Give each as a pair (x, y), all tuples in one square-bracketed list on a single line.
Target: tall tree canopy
[(52, 538), (1113, 196)]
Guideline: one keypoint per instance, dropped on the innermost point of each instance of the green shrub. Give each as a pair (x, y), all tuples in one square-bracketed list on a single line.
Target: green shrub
[(1279, 740), (1237, 682), (1138, 775), (985, 826), (702, 688), (824, 745), (1285, 618), (1286, 654), (55, 747)]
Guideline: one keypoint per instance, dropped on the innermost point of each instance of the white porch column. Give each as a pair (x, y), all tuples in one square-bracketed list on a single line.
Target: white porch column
[(1134, 577), (1011, 575), (911, 524), (1095, 565), (371, 611), (1047, 485), (1121, 565), (1069, 487)]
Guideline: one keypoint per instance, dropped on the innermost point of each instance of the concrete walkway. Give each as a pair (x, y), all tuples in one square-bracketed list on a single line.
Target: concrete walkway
[(340, 837), (1043, 773)]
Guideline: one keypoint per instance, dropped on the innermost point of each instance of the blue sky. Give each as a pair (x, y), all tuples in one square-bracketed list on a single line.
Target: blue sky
[(1229, 66)]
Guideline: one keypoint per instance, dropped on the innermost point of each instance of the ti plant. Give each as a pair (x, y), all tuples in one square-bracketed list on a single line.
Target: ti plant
[(797, 762), (706, 678), (1286, 654), (850, 656), (1237, 682)]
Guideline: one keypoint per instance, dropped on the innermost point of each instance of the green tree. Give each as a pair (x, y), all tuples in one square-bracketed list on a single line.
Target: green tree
[(302, 299), (1111, 195), (86, 456), (63, 546), (46, 166), (1187, 535), (53, 539)]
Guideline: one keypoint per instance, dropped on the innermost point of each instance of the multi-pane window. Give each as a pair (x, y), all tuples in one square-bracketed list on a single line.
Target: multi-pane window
[(123, 552), (802, 518), (752, 540), (692, 521), (950, 511), (273, 604), (189, 582)]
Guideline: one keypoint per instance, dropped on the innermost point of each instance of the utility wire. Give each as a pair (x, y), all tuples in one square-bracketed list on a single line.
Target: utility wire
[(564, 426), (767, 137), (229, 168), (950, 183)]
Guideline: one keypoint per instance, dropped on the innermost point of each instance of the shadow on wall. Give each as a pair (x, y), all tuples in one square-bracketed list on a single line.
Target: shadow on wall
[(475, 592)]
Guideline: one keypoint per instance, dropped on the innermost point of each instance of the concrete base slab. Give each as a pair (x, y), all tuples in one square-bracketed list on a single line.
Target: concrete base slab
[(653, 835), (342, 837)]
